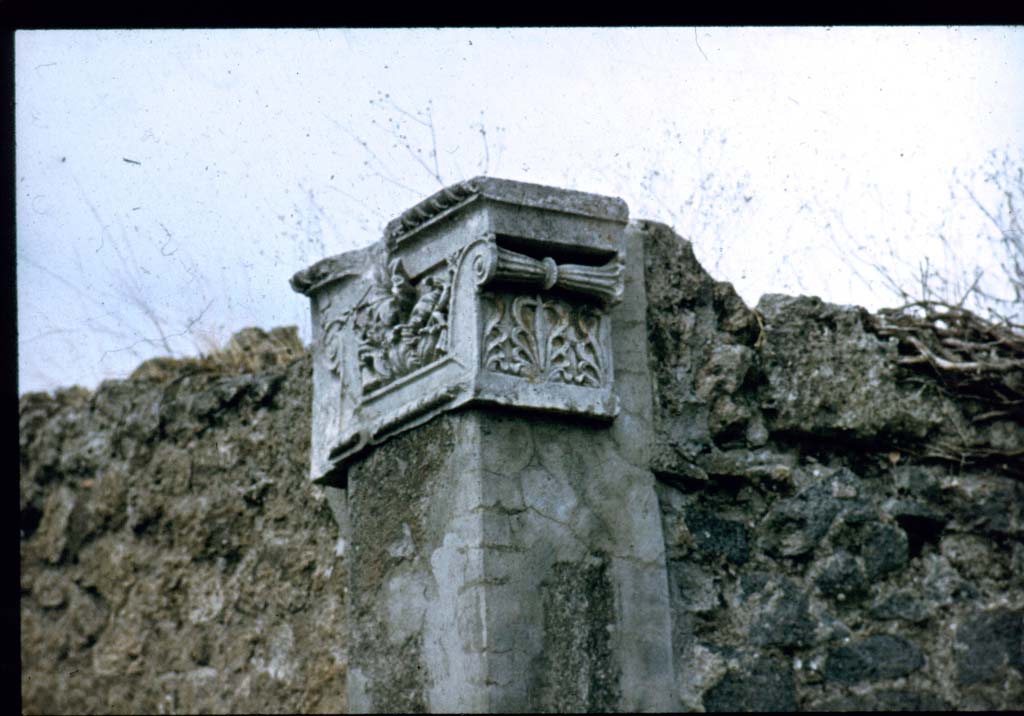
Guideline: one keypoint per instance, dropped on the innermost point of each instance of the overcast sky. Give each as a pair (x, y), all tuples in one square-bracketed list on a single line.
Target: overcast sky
[(170, 182)]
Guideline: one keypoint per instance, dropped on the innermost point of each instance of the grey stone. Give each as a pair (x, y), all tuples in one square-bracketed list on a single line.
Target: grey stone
[(886, 700), (942, 584), (579, 672), (989, 504), (718, 379), (520, 197), (987, 644), (696, 588), (779, 615), (900, 605), (50, 590), (873, 658), (826, 373), (766, 685), (717, 538), (885, 550), (975, 556), (841, 576), (796, 525), (749, 464), (52, 537)]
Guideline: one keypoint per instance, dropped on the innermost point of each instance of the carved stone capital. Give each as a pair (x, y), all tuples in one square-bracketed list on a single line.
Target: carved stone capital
[(489, 292)]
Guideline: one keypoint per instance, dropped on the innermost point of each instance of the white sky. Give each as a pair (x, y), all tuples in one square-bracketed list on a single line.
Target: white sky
[(259, 152)]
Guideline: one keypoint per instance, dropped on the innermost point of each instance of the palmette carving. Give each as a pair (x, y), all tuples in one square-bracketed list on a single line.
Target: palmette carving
[(401, 328), (543, 339)]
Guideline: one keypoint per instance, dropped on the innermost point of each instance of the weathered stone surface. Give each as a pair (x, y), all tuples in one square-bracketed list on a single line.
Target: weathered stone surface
[(810, 349), (765, 685), (987, 644), (900, 605), (700, 335), (715, 538), (884, 550), (886, 700), (848, 533), (579, 667), (842, 575), (174, 560), (779, 612), (874, 658), (796, 525), (173, 556)]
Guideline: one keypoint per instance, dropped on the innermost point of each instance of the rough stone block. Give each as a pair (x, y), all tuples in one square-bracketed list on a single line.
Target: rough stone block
[(988, 643), (873, 658), (765, 685)]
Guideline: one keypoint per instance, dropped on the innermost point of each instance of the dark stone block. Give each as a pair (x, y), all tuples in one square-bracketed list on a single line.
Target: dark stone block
[(885, 549), (900, 605), (580, 674), (782, 618), (796, 525), (714, 537), (987, 643), (886, 700), (841, 574), (765, 685), (990, 505), (872, 659)]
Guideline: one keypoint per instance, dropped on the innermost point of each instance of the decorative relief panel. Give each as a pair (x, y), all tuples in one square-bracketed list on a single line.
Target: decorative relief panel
[(331, 335), (543, 339), (401, 327)]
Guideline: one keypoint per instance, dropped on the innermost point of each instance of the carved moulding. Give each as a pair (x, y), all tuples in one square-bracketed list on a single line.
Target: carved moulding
[(484, 307)]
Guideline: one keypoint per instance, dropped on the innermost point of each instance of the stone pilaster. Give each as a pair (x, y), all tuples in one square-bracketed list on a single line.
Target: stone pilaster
[(482, 392)]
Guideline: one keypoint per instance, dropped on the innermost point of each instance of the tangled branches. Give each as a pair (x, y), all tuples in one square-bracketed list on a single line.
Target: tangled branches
[(976, 361), (973, 357)]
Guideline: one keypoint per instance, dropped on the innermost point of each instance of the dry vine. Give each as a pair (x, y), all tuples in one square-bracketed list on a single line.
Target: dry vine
[(975, 360)]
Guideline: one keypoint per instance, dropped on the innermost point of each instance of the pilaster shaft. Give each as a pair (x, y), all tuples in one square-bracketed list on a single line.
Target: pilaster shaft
[(482, 393)]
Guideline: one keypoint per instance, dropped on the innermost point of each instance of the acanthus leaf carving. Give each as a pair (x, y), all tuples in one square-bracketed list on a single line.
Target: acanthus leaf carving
[(332, 324), (544, 339), (400, 327)]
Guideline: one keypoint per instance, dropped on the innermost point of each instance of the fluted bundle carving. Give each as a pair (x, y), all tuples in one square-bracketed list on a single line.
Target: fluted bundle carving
[(601, 282)]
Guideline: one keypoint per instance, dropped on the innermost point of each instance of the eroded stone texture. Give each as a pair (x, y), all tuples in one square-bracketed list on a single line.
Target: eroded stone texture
[(579, 669), (818, 558), (395, 495), (817, 555), (174, 558)]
